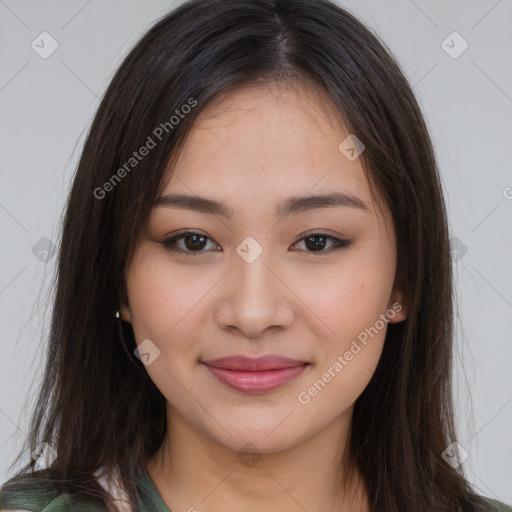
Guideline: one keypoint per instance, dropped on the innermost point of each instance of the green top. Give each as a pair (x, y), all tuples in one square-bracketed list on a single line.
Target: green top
[(501, 507), (39, 498), (150, 497)]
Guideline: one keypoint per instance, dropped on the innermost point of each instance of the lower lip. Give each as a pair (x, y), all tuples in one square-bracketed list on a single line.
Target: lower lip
[(254, 382)]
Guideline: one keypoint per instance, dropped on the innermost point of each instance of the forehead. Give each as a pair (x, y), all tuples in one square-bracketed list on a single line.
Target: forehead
[(270, 117), (305, 98), (261, 144), (275, 127)]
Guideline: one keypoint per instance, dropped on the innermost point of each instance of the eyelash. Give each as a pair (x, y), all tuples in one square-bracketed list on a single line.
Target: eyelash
[(338, 243)]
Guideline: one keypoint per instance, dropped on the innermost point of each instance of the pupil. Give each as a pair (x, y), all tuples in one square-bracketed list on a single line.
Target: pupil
[(196, 238), (198, 242), (315, 245)]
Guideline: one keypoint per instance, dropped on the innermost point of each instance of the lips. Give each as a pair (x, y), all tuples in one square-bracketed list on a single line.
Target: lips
[(255, 374), (243, 363)]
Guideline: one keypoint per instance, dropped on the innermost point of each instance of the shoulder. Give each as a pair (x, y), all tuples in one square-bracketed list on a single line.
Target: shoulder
[(498, 506), (26, 493), (113, 486), (30, 494)]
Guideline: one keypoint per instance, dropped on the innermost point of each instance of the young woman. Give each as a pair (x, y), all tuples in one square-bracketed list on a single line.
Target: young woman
[(254, 298)]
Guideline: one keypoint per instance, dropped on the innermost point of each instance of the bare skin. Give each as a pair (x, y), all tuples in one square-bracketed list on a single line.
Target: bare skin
[(252, 150)]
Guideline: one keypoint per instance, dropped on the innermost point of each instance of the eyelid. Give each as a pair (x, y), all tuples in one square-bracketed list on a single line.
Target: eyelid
[(299, 237), (181, 234), (338, 243), (319, 232)]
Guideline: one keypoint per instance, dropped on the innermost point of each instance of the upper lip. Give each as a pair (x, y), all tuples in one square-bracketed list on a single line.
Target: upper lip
[(244, 363)]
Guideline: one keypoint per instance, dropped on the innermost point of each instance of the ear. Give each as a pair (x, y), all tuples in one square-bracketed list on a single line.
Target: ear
[(124, 305), (125, 312), (397, 310)]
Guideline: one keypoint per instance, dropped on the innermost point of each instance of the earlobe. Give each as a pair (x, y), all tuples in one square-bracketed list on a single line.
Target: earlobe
[(397, 311), (124, 312)]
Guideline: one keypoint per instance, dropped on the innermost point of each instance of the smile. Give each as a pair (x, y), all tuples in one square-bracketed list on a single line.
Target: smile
[(255, 375)]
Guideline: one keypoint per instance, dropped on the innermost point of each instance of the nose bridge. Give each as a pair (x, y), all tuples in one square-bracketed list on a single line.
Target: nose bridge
[(254, 298), (254, 282)]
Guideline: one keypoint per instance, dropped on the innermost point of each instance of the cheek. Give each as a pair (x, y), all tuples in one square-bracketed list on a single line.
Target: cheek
[(348, 299), (352, 304), (347, 358), (153, 303), (334, 387), (163, 297), (357, 332)]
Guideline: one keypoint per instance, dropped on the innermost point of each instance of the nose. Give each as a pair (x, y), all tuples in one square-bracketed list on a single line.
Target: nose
[(255, 298)]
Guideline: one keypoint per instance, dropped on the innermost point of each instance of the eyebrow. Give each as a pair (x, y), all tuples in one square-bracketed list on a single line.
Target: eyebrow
[(292, 205)]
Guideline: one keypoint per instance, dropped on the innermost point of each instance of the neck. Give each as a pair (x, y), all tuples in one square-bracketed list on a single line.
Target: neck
[(191, 471)]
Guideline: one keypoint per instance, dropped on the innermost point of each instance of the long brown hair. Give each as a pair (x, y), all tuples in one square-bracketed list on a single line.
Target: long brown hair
[(97, 405)]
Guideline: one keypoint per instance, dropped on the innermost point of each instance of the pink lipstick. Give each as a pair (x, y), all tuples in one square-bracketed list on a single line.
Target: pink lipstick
[(255, 374)]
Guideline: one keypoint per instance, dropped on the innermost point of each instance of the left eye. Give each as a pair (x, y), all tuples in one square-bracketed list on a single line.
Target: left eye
[(196, 242)]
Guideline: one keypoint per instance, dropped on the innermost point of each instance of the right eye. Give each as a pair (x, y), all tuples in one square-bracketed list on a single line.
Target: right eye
[(193, 243)]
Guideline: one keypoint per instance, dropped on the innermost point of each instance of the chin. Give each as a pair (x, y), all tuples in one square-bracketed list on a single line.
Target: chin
[(249, 438)]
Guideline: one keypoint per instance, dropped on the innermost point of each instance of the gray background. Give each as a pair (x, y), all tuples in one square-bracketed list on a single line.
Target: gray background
[(47, 106)]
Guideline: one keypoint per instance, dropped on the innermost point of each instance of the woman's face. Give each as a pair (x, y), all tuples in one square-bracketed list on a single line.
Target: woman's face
[(265, 279)]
